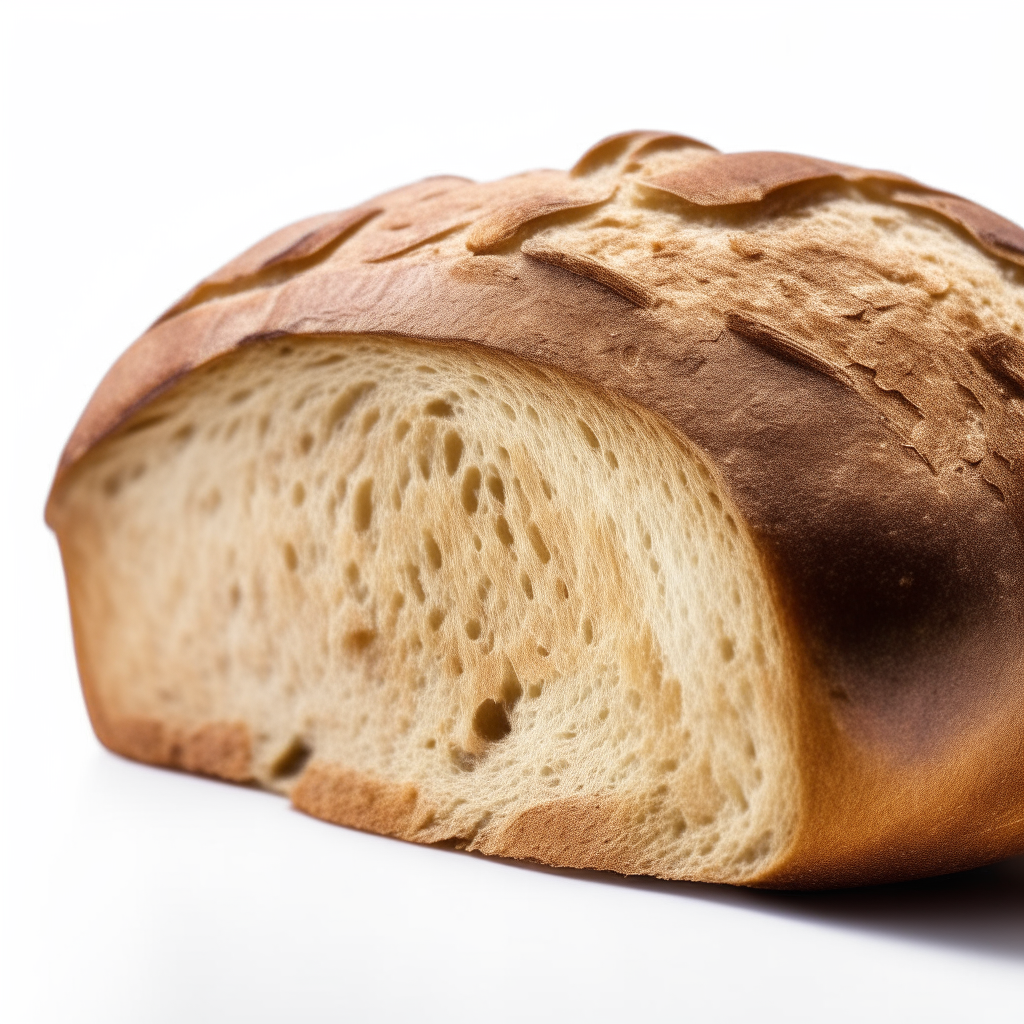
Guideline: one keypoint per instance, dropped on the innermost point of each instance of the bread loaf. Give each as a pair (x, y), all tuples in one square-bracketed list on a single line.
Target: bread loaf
[(662, 516)]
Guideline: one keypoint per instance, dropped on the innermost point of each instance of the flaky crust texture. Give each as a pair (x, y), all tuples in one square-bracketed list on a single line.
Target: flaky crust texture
[(846, 347)]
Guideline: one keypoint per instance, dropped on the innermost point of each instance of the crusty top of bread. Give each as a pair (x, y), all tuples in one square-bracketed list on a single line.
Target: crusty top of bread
[(496, 218), (845, 344)]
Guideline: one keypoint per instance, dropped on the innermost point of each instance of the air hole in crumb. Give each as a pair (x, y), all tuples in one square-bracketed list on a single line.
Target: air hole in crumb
[(535, 690), (462, 759), (430, 744), (433, 551), (471, 490), (306, 443), (527, 586), (423, 458), (357, 640), (588, 631), (369, 420), (435, 618), (426, 369), (537, 542), (473, 629), (439, 407), (496, 487), (298, 494), (508, 411), (542, 651), (477, 542), (609, 456), (589, 434), (452, 452), (490, 721), (292, 759), (413, 572), (715, 499), (501, 528), (532, 413), (362, 505), (511, 687), (291, 559), (563, 590), (546, 487), (345, 402), (402, 427), (726, 648)]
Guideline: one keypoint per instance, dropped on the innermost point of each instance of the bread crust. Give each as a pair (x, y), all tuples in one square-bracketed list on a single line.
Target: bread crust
[(892, 531)]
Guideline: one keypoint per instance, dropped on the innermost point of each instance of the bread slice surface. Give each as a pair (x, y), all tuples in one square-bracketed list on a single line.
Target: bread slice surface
[(446, 594)]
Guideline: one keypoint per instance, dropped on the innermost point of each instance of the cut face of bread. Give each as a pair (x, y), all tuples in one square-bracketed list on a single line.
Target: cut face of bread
[(442, 593)]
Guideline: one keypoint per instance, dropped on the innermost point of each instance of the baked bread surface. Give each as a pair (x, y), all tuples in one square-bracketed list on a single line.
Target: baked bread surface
[(834, 354)]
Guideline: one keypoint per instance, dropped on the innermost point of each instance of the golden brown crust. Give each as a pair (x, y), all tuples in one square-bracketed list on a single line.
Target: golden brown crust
[(874, 456), (220, 749), (501, 228), (630, 288), (292, 249), (729, 178), (357, 800), (997, 234), (628, 145), (574, 832)]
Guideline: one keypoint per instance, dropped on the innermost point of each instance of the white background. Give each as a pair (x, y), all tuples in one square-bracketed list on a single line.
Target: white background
[(145, 144)]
